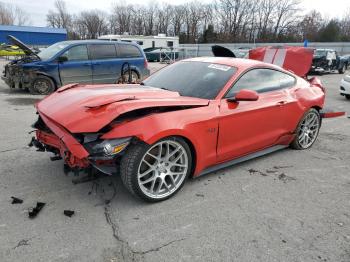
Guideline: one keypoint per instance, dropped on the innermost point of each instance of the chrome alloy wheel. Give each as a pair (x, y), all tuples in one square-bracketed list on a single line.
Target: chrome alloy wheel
[(309, 130), (163, 169)]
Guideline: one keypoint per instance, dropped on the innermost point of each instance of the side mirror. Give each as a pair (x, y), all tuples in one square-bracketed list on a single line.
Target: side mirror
[(245, 95), (62, 59)]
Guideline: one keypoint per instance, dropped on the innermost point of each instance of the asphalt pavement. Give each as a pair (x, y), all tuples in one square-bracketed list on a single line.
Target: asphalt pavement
[(286, 206)]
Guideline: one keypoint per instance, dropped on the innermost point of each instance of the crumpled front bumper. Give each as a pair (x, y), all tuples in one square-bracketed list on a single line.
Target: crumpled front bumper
[(16, 78), (61, 142), (77, 155)]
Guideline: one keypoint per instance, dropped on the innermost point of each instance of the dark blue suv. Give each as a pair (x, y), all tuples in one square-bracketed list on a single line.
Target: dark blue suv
[(80, 61)]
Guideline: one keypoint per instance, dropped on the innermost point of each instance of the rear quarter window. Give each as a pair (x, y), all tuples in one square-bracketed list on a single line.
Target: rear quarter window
[(105, 51), (127, 51)]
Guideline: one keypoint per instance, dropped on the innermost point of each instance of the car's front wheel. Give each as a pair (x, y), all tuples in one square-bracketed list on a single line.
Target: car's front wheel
[(156, 172), (347, 97), (42, 85), (307, 130)]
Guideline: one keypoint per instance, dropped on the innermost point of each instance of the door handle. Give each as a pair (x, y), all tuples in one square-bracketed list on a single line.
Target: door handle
[(281, 103), (96, 63), (86, 64)]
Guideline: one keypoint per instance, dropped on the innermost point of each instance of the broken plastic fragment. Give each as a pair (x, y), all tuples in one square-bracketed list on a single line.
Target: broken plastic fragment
[(16, 200), (35, 211), (68, 213)]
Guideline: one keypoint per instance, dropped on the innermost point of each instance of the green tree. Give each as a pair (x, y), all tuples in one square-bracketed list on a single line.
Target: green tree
[(330, 32)]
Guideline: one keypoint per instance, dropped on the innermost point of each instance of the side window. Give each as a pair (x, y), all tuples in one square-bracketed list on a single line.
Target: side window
[(102, 51), (127, 51), (262, 80), (76, 53)]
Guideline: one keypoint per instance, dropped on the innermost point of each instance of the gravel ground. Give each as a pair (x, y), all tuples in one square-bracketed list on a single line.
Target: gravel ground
[(287, 206)]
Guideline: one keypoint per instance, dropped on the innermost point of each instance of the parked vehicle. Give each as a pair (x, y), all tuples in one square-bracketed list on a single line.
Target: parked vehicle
[(188, 119), (345, 87), (327, 60), (80, 61), (159, 54), (10, 50)]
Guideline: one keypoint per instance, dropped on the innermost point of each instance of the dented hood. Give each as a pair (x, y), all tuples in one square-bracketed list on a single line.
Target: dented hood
[(21, 45), (292, 58), (89, 108)]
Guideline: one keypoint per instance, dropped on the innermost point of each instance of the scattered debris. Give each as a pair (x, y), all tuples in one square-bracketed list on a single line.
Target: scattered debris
[(285, 178), (23, 242), (35, 210), (68, 213), (199, 195), (270, 171), (16, 200), (254, 171), (136, 218), (281, 167), (340, 224), (284, 241)]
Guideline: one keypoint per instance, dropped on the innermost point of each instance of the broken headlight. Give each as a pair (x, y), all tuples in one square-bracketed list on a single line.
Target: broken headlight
[(108, 147)]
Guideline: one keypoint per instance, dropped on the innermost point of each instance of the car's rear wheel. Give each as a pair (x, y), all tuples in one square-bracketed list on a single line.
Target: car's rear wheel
[(156, 172), (135, 78), (307, 130), (342, 69), (42, 85)]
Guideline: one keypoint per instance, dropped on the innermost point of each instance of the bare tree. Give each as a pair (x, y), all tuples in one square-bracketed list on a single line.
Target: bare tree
[(12, 15), (60, 17), (94, 22)]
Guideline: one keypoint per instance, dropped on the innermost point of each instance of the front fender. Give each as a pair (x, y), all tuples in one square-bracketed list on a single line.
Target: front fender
[(199, 127)]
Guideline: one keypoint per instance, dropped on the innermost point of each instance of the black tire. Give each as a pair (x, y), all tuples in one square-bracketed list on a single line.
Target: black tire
[(296, 144), (347, 97), (42, 85), (134, 76), (131, 163), (342, 69)]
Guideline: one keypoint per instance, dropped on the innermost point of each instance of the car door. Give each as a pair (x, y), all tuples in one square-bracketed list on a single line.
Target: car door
[(106, 66), (75, 67), (248, 126)]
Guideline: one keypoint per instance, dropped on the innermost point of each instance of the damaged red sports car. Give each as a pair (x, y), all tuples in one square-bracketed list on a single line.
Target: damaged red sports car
[(188, 119)]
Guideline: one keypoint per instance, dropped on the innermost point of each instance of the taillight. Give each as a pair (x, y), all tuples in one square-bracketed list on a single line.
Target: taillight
[(146, 63), (317, 82)]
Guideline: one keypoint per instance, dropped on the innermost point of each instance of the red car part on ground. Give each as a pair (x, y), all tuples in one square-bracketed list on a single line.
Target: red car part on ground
[(200, 134)]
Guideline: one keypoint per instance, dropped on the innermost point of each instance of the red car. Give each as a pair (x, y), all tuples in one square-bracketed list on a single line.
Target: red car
[(188, 119)]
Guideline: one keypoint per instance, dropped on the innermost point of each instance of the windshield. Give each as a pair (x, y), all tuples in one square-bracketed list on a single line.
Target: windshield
[(320, 53), (193, 79), (52, 50)]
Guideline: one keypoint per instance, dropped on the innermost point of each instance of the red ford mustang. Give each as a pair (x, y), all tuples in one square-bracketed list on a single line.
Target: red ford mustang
[(188, 119)]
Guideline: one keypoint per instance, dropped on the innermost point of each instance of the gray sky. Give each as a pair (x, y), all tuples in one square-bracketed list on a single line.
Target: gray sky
[(37, 9)]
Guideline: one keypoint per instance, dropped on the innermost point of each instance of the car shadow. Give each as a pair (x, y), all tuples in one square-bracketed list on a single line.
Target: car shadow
[(23, 101)]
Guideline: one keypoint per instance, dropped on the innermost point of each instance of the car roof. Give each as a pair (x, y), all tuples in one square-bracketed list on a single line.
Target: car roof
[(96, 41), (241, 63)]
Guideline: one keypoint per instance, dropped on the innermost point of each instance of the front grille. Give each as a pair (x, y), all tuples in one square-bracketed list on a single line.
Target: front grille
[(40, 124)]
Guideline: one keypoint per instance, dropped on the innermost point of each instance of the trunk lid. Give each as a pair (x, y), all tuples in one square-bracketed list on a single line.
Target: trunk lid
[(292, 58)]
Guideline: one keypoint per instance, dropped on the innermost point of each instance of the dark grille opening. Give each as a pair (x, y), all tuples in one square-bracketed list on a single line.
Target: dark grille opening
[(40, 124)]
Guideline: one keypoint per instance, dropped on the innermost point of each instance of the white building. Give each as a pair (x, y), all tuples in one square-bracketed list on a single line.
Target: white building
[(161, 40)]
